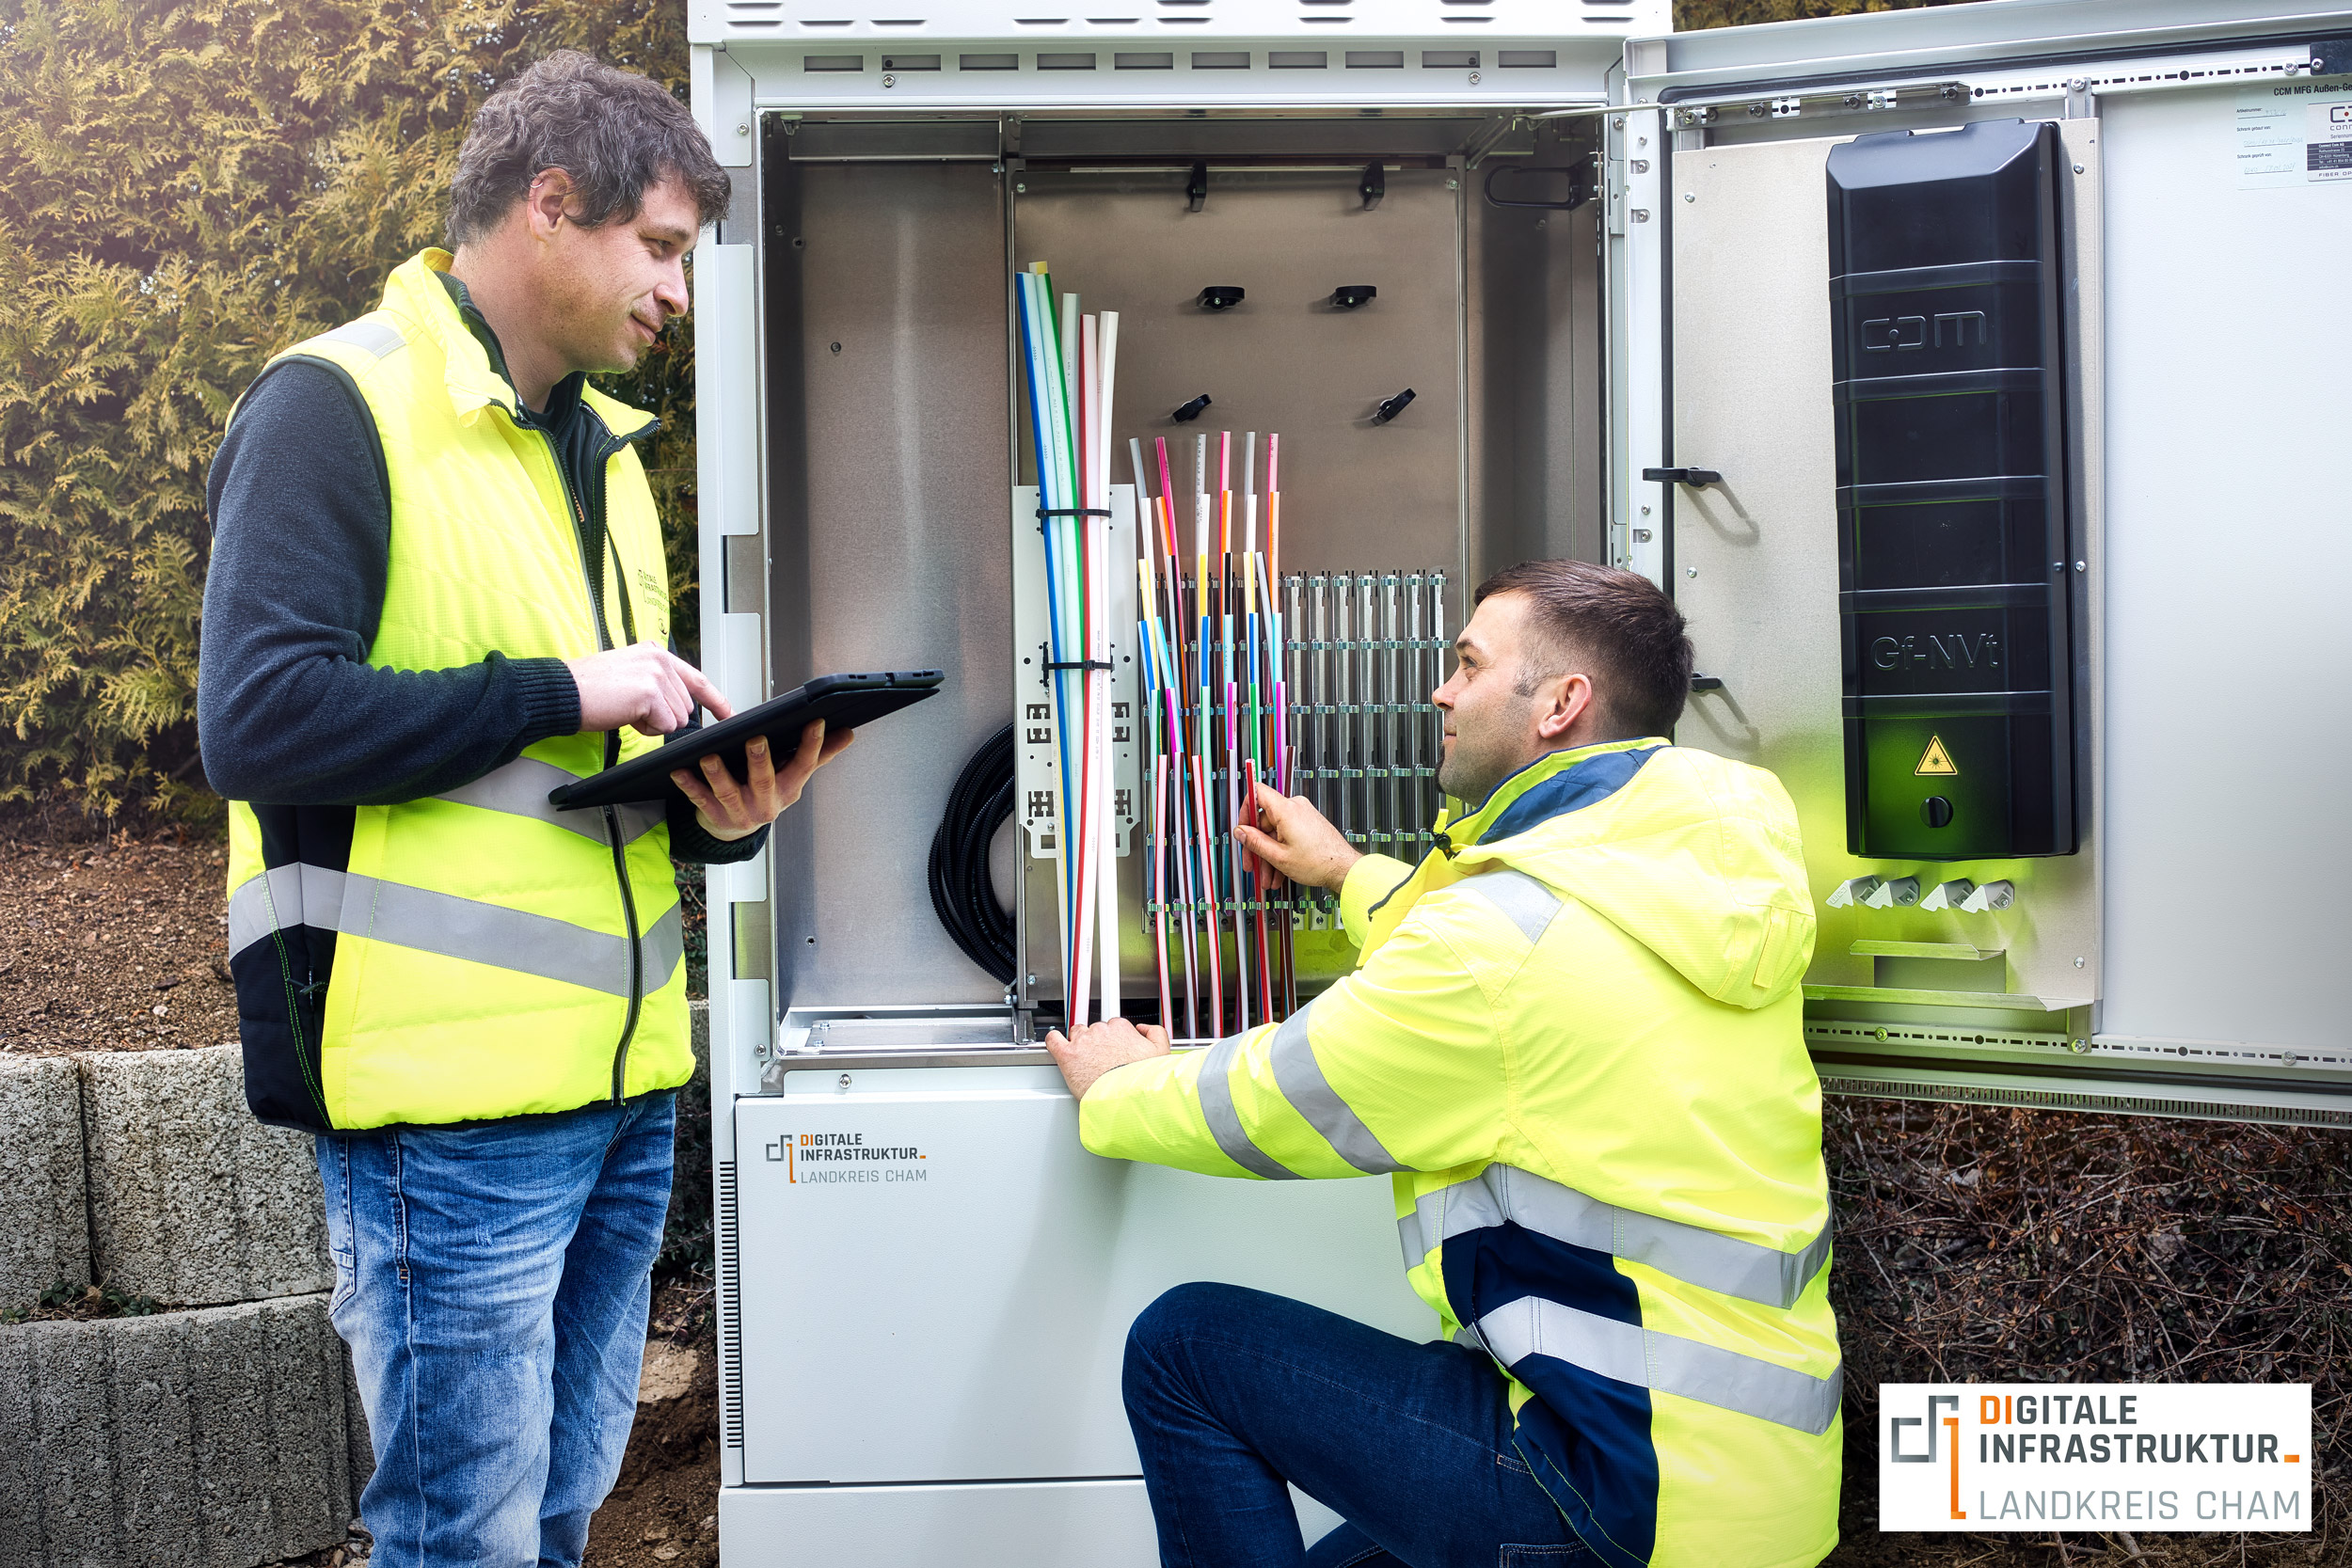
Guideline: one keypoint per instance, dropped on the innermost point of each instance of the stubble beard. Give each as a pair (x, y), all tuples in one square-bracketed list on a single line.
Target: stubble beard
[(1466, 776), (1469, 771)]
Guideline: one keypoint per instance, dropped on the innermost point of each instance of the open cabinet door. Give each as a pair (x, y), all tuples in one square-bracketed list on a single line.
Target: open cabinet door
[(1962, 355)]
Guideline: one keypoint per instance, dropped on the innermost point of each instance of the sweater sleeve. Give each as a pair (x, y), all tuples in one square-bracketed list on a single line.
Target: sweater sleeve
[(288, 710), (690, 840)]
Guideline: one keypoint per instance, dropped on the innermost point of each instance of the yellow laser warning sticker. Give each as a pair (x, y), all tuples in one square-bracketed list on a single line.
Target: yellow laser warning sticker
[(1936, 760)]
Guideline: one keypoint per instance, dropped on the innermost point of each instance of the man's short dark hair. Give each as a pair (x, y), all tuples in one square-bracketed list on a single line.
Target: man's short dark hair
[(1618, 624), (617, 134)]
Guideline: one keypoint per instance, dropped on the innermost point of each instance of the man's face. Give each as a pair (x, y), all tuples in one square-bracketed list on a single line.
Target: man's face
[(1490, 728), (607, 291)]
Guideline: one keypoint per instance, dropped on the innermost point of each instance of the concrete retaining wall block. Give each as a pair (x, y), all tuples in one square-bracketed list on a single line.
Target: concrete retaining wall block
[(214, 1439), (45, 1223), (192, 1201)]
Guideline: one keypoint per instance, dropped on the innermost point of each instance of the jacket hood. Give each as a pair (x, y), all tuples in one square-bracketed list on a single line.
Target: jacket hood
[(1692, 855)]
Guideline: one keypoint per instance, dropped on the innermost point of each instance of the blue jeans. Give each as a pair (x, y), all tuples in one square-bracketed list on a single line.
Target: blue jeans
[(492, 1283), (1233, 1392)]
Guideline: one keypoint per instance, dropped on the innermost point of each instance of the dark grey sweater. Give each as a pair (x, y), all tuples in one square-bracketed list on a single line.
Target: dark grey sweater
[(289, 711)]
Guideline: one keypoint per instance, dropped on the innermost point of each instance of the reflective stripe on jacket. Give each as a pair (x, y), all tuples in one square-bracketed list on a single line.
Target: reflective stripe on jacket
[(478, 954), (1574, 1038)]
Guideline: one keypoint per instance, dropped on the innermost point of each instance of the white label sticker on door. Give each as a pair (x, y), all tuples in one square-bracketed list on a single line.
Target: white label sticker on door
[(2327, 155), (2293, 133)]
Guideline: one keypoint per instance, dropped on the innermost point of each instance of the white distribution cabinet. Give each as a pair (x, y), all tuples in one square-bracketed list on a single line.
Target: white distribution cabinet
[(1604, 264)]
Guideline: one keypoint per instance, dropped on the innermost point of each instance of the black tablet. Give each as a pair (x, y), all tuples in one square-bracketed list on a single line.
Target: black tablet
[(843, 702)]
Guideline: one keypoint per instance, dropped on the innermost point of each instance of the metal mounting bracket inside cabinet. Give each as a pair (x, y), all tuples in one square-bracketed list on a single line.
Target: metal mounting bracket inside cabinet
[(1197, 188), (1837, 100), (1372, 186)]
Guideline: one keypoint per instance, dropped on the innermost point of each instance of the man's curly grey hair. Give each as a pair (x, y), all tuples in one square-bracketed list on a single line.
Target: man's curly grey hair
[(615, 134)]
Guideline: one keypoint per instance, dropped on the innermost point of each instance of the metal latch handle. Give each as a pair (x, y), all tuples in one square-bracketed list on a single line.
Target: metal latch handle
[(1583, 187)]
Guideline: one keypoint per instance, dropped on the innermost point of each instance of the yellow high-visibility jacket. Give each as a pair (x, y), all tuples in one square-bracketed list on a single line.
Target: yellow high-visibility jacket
[(1574, 1039), (479, 954)]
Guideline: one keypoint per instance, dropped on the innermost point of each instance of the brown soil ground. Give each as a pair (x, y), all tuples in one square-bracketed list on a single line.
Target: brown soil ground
[(115, 944), (1974, 1242), (665, 1512)]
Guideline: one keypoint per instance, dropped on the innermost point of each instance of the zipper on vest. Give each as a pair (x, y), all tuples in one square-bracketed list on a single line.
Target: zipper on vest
[(636, 948), (590, 567)]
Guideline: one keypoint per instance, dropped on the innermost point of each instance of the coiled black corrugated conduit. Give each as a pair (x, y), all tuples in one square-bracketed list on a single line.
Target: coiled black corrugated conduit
[(962, 894)]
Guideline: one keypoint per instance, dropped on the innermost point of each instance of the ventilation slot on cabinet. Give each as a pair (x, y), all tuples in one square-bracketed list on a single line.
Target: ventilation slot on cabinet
[(730, 1311)]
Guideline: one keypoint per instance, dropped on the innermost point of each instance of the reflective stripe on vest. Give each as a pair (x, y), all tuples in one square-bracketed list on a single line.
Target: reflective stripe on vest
[(1216, 1108), (370, 334), (442, 922), (1522, 900), (1690, 1253), (521, 788), (1300, 1079), (1666, 1363)]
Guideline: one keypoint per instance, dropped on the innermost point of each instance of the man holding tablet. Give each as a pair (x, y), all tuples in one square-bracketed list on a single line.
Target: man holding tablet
[(437, 594)]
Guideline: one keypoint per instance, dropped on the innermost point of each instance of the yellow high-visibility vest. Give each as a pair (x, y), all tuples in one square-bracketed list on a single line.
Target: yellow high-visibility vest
[(476, 955), (1574, 1039)]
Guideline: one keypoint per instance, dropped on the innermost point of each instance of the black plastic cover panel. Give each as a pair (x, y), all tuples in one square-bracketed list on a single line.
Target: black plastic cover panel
[(1953, 541)]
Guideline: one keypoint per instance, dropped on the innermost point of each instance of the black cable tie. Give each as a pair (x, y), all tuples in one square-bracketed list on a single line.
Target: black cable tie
[(1076, 511), (1084, 664)]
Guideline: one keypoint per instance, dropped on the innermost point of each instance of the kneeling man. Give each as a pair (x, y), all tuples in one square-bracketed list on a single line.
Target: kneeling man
[(1574, 1038)]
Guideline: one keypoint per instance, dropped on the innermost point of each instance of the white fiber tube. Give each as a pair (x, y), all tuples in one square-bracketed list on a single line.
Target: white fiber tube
[(1106, 842), (1081, 986)]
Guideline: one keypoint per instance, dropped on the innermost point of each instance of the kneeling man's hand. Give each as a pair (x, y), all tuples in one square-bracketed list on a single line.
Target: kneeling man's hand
[(1096, 1048), (1296, 840)]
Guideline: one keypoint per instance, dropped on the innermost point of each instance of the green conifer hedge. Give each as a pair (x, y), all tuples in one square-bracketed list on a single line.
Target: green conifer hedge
[(185, 190)]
